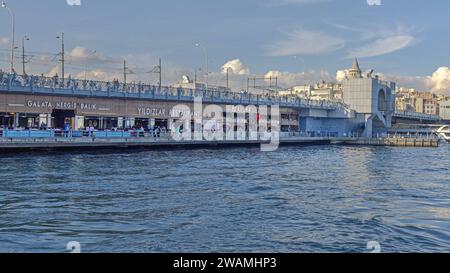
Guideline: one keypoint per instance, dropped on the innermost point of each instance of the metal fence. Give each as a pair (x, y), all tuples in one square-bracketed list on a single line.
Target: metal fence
[(417, 116), (51, 134)]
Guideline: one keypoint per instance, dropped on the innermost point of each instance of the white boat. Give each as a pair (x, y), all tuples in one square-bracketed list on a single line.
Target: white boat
[(444, 133)]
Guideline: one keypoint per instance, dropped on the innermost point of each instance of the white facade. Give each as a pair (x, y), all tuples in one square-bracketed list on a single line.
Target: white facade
[(322, 94), (444, 110), (190, 85), (431, 107)]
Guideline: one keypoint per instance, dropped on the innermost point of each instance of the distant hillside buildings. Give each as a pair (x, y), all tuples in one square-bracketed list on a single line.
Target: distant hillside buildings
[(320, 91), (411, 100), (406, 100)]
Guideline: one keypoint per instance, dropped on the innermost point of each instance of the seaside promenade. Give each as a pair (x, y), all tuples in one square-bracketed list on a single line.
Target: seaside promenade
[(27, 140)]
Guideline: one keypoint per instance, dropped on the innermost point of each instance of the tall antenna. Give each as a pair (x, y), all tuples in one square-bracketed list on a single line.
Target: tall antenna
[(256, 80), (62, 55), (195, 78), (160, 74), (24, 38), (125, 68), (158, 70), (228, 76)]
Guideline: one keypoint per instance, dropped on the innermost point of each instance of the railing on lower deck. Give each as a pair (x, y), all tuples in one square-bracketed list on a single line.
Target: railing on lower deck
[(417, 116), (50, 134)]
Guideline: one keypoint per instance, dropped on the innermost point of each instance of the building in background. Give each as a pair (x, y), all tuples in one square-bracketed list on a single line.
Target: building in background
[(187, 83), (370, 97), (322, 91), (405, 100), (431, 107), (444, 110), (327, 91), (419, 105), (301, 91), (410, 100), (427, 103)]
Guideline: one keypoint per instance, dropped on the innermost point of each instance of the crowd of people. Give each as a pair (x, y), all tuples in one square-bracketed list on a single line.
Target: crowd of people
[(90, 130), (69, 83)]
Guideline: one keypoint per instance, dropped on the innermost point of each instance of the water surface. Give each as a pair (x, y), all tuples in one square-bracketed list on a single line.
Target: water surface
[(298, 199)]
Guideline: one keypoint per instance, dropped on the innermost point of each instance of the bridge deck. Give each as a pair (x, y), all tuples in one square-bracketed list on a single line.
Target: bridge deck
[(82, 88)]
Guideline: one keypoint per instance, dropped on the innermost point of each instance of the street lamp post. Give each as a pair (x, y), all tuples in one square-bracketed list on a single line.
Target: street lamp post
[(85, 63), (228, 76), (24, 38), (62, 55), (205, 51), (13, 30)]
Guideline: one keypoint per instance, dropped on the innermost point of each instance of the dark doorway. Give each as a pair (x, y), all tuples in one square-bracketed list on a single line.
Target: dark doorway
[(61, 117), (7, 121), (162, 123)]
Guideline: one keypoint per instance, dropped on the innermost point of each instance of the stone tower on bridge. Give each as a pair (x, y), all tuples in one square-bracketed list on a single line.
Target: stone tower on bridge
[(355, 71), (371, 98)]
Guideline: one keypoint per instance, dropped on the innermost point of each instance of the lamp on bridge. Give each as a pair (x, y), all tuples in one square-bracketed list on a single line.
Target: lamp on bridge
[(5, 6)]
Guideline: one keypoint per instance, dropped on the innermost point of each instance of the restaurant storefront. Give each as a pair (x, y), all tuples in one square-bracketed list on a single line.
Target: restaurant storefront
[(23, 120), (34, 111), (46, 111)]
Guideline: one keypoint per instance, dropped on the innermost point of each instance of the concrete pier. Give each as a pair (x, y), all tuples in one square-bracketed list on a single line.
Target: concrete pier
[(398, 142), (86, 143), (13, 145)]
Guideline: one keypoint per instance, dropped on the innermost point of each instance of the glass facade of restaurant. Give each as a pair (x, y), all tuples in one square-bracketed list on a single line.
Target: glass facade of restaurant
[(48, 121), (22, 111), (20, 120)]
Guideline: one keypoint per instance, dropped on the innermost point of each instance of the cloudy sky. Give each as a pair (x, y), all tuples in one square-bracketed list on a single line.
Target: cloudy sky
[(300, 41)]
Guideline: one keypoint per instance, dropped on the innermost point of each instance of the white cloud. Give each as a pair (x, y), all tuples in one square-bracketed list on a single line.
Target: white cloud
[(382, 46), (79, 53), (439, 81), (236, 66), (416, 82), (284, 79), (383, 41), (341, 75), (73, 2), (292, 2), (374, 2), (305, 42), (4, 41), (289, 79), (52, 72), (99, 75), (78, 58), (101, 67)]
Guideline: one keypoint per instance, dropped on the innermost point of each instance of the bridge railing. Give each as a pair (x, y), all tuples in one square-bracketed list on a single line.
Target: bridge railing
[(416, 115), (31, 83), (51, 134)]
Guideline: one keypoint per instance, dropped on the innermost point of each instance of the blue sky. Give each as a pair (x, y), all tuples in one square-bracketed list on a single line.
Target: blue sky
[(405, 38)]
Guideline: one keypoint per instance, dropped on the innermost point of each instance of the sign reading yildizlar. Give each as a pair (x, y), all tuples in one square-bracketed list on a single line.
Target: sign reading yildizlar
[(147, 111), (64, 105)]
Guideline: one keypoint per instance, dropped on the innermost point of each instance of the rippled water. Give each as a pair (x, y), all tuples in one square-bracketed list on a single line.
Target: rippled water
[(298, 199)]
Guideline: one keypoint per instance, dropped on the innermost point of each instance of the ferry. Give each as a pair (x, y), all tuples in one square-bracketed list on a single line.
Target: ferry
[(444, 133), (440, 131)]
